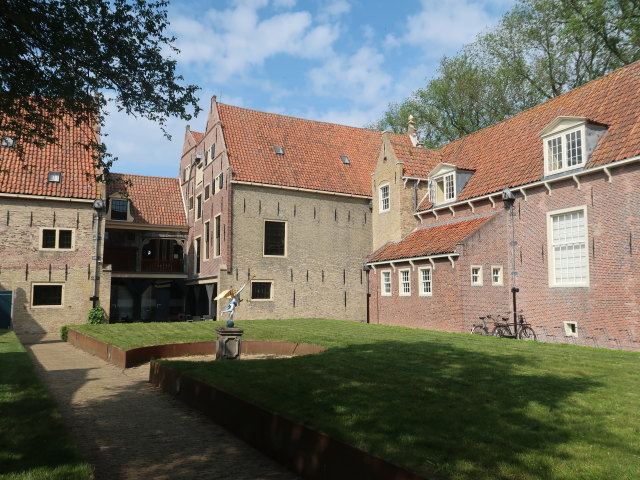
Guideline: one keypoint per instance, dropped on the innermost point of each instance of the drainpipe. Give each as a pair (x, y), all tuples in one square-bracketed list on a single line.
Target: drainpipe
[(98, 206), (366, 269)]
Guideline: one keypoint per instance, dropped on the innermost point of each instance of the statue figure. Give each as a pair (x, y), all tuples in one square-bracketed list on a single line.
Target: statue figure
[(234, 295)]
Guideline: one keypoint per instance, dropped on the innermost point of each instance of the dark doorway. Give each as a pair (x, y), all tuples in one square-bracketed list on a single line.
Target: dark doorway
[(6, 299)]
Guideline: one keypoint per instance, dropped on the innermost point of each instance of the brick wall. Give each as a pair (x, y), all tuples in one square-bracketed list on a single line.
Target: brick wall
[(23, 263)]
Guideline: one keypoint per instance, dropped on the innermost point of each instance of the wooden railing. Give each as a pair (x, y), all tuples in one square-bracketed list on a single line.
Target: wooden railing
[(153, 265)]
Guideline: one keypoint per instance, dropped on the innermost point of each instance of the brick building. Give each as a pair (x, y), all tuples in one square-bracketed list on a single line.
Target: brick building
[(544, 202), (50, 233)]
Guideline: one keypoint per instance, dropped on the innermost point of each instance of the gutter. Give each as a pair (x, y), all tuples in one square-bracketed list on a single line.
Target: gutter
[(46, 197), (449, 256), (522, 188)]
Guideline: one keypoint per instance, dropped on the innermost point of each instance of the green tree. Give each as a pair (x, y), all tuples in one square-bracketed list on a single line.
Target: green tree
[(60, 60)]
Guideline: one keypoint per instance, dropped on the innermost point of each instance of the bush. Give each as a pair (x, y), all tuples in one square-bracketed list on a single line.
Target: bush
[(97, 315), (64, 330)]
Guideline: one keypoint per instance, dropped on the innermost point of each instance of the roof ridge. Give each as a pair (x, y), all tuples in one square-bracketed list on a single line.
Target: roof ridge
[(145, 176)]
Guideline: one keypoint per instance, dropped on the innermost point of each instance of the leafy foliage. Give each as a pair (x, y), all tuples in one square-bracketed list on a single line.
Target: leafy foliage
[(60, 60), (539, 50), (96, 316)]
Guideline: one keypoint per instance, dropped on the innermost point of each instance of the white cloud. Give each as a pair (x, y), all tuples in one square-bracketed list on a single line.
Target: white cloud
[(284, 3), (359, 77), (233, 41), (441, 26), (332, 10)]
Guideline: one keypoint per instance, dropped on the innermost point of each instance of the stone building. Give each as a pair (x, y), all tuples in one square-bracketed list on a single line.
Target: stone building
[(50, 234), (283, 204), (537, 212)]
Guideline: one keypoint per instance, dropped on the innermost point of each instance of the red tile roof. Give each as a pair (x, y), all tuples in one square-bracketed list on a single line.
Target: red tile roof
[(431, 240), (311, 151), (510, 153), (197, 136), (29, 175), (418, 161), (155, 200)]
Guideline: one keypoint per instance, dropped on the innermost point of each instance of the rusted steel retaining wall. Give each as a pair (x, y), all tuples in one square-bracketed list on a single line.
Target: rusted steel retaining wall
[(307, 452), (129, 358)]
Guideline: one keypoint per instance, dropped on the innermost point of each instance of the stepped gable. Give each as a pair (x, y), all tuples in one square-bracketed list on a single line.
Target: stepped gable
[(155, 200), (29, 175), (510, 153), (432, 240), (312, 151)]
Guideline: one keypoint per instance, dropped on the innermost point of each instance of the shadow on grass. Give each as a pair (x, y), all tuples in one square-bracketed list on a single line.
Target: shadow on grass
[(436, 408)]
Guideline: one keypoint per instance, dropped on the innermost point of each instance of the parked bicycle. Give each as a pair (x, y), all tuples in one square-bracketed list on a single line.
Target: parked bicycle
[(521, 330), (478, 329)]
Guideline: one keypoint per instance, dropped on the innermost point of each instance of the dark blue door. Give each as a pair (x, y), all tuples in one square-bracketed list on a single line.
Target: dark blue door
[(5, 308)]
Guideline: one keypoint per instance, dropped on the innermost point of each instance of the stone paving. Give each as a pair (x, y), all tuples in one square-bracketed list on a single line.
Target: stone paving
[(127, 429)]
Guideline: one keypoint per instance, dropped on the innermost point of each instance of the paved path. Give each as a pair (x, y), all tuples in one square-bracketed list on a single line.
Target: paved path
[(128, 429)]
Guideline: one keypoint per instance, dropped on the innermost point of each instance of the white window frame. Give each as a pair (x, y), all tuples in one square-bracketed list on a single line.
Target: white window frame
[(199, 173), (198, 207), (434, 188), (286, 237), (383, 284), (402, 283), (48, 284), (385, 200), (570, 332), (57, 248), (270, 299), (500, 281), (478, 282), (562, 136), (421, 280), (551, 250)]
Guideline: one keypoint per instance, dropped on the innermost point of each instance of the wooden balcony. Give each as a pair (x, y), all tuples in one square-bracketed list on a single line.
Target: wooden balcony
[(162, 266)]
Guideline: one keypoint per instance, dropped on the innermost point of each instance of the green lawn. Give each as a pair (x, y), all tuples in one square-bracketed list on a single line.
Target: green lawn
[(452, 406), (34, 444)]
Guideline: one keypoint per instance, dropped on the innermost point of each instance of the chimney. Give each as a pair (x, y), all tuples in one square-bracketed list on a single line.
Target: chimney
[(411, 131)]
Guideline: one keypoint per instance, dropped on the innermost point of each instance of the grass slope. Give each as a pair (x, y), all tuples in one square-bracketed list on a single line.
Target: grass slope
[(34, 444), (446, 405)]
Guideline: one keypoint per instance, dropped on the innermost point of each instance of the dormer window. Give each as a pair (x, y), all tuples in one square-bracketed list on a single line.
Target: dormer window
[(119, 209), (568, 142), (8, 142), (55, 177), (443, 183), (278, 149)]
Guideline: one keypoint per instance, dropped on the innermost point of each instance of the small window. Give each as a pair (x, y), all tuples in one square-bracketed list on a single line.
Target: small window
[(206, 240), (198, 207), (212, 151), (196, 255), (191, 202), (345, 159), (55, 177), (496, 275), (571, 329), (119, 209), (565, 151), (57, 239), (425, 281), (275, 234), (386, 283), (46, 295), (476, 275), (384, 198), (185, 173), (199, 175), (216, 232), (278, 149), (206, 192), (405, 283), (8, 142), (220, 182), (261, 290)]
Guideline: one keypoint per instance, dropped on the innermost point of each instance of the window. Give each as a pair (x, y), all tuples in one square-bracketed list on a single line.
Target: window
[(386, 283), (275, 238), (278, 149), (206, 240), (56, 239), (196, 256), (476, 275), (54, 177), (405, 283), (119, 209), (218, 182), (216, 230), (206, 192), (564, 152), (425, 281), (568, 256), (46, 295), (571, 329), (261, 290), (212, 151), (496, 275), (8, 142), (443, 189), (198, 207), (186, 172), (384, 198), (345, 159), (199, 174), (191, 202)]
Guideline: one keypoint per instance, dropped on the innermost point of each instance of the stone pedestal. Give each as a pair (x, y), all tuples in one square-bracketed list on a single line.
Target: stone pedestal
[(229, 343)]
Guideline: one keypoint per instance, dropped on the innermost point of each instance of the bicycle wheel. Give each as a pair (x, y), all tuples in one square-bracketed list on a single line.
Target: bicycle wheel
[(500, 331), (479, 330), (527, 333)]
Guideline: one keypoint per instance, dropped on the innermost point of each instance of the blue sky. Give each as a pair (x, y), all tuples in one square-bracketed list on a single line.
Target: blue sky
[(340, 61)]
